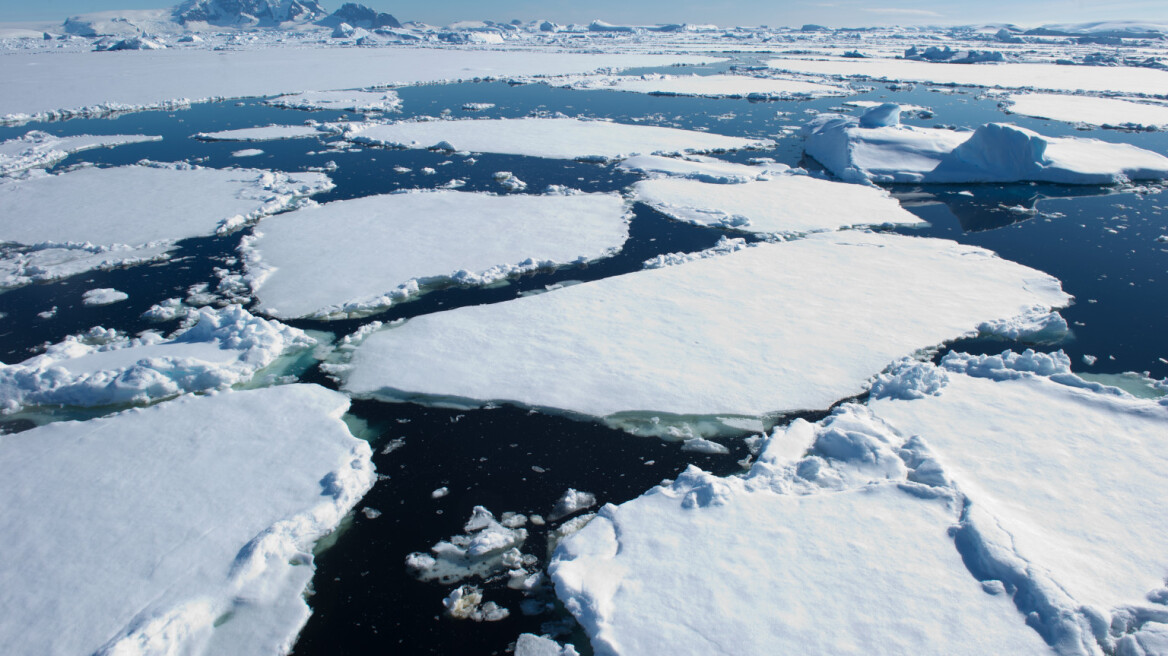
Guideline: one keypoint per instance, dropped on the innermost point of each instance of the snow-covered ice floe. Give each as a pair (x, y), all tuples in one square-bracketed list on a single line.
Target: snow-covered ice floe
[(562, 138), (186, 527), (1052, 77), (708, 86), (352, 101), (265, 133), (38, 149), (219, 348), (131, 213), (876, 147), (777, 327), (698, 167), (1105, 112), (782, 204), (358, 256)]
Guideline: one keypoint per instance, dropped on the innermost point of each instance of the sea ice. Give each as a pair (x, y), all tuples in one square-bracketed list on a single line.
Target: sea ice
[(1107, 112), (358, 256), (562, 138), (186, 527), (709, 86), (698, 167), (266, 133), (103, 296), (351, 101), (781, 204), (41, 149), (777, 327), (131, 213), (875, 147), (219, 348)]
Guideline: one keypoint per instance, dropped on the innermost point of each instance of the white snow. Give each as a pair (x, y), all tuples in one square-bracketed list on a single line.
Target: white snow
[(782, 204), (352, 101), (41, 149), (358, 256), (131, 213), (876, 148), (186, 527), (562, 138), (709, 86), (1107, 112), (103, 296), (698, 167), (266, 133), (530, 644), (221, 348), (777, 327), (1054, 77)]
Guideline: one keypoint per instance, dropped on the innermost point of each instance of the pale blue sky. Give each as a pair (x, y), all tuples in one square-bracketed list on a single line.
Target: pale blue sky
[(721, 12)]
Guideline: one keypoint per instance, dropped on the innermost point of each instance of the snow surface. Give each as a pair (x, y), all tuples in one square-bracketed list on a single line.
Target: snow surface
[(994, 152), (778, 327), (351, 101), (1053, 77), (698, 167), (782, 204), (219, 349), (163, 530), (266, 133), (562, 138), (357, 256), (36, 149), (707, 86), (1106, 112), (131, 212)]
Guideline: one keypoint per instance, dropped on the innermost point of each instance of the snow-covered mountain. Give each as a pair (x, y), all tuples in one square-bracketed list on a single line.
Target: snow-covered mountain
[(248, 12)]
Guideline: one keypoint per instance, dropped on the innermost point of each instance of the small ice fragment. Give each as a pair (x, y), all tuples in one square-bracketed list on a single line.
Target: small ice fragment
[(371, 513), (702, 445), (572, 501), (49, 313), (1089, 359), (247, 152), (440, 492), (103, 296)]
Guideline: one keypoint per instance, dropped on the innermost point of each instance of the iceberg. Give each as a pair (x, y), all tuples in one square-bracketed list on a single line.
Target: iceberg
[(38, 149), (217, 349), (557, 138), (784, 204), (131, 213), (877, 148), (266, 133), (355, 257), (1105, 112), (778, 327), (351, 101), (706, 86), (186, 527)]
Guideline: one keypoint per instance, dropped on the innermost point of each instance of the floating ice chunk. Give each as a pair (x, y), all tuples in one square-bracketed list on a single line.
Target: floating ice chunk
[(1038, 327), (466, 603), (572, 501), (266, 133), (707, 86), (247, 152), (131, 213), (706, 169), (532, 645), (778, 573), (777, 327), (477, 106), (358, 256), (995, 152), (200, 513), (353, 101), (560, 138), (702, 445), (103, 296), (41, 149), (222, 348), (1068, 478), (509, 181), (487, 547), (782, 204), (1106, 112)]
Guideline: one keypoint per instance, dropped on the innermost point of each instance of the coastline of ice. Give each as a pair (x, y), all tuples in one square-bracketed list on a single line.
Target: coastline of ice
[(705, 86), (120, 542), (1104, 112), (562, 138), (817, 318), (354, 257), (36, 149)]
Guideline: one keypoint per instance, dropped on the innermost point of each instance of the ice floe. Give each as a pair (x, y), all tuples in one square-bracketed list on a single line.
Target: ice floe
[(698, 167), (218, 349), (185, 527), (131, 213), (38, 149), (103, 296), (1106, 112), (352, 101), (357, 256), (562, 138), (781, 204), (876, 147), (709, 86), (266, 133), (773, 328)]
